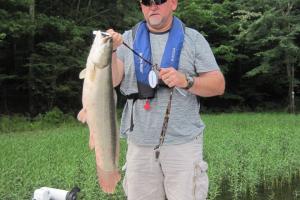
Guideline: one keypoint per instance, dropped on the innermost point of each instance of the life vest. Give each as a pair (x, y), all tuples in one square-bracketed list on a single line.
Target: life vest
[(142, 46)]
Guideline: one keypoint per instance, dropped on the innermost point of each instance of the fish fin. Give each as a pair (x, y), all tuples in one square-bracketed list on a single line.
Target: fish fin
[(82, 74), (82, 115), (108, 180), (92, 142)]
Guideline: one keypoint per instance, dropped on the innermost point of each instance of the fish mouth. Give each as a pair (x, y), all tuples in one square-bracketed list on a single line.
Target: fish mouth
[(104, 34), (107, 38)]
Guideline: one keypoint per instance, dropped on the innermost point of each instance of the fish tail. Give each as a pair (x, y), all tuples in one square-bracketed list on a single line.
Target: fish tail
[(108, 180)]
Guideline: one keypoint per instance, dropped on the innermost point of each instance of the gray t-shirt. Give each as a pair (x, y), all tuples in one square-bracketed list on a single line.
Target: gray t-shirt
[(184, 123)]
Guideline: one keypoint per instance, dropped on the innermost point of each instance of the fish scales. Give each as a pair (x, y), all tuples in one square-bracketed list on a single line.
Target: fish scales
[(99, 111)]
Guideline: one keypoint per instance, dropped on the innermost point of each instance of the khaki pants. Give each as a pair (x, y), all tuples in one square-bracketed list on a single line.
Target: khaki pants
[(178, 174)]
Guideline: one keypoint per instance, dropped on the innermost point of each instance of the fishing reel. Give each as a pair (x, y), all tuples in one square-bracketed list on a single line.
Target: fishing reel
[(46, 193)]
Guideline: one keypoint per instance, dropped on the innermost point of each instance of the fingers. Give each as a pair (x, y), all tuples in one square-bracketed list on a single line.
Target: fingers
[(166, 72), (167, 76), (171, 77), (117, 38)]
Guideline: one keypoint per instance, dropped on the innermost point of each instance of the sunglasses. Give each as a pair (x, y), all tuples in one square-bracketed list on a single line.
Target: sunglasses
[(150, 2)]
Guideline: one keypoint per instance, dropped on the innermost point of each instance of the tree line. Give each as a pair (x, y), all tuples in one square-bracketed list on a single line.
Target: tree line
[(44, 45)]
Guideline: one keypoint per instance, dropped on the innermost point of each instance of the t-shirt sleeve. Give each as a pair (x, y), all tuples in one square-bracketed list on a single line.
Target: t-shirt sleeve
[(204, 58)]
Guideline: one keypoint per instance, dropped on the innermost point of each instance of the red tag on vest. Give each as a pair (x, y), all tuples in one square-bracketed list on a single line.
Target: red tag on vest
[(147, 105)]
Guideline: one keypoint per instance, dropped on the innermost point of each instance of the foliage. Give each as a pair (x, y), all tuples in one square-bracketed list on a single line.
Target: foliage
[(256, 44), (19, 123), (56, 62), (271, 34), (244, 152), (249, 150)]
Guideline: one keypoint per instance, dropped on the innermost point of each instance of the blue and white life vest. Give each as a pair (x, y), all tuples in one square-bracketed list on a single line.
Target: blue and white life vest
[(142, 46)]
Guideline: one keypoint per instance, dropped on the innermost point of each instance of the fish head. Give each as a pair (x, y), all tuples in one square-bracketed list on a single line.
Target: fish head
[(101, 50)]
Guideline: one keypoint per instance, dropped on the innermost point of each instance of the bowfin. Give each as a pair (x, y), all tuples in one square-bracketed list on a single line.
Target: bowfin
[(93, 74), (82, 74), (91, 140), (108, 180)]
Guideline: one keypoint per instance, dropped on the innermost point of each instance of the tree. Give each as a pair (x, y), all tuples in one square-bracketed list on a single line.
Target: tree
[(273, 37)]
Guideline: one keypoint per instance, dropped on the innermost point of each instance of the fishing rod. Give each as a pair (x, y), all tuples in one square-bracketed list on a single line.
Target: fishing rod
[(155, 67), (126, 45)]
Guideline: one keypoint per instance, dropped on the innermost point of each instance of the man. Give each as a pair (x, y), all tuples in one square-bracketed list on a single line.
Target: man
[(175, 169)]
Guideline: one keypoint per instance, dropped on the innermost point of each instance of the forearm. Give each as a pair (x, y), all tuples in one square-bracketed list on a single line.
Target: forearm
[(117, 70), (208, 84)]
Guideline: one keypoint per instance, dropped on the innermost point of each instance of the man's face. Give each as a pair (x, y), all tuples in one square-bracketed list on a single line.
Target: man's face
[(158, 16)]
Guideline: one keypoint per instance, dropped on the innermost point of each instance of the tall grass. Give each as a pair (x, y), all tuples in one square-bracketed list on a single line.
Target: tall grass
[(243, 150), (249, 150), (58, 158)]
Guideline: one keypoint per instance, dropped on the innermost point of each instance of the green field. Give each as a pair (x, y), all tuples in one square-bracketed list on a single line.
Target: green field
[(244, 152)]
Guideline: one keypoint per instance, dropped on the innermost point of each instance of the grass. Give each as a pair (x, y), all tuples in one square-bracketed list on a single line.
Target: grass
[(58, 158), (243, 150), (250, 150)]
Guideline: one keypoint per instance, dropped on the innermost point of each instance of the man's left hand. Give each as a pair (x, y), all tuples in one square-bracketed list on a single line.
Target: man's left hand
[(172, 78)]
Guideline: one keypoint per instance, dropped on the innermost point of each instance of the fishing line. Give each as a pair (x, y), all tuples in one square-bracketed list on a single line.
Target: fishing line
[(154, 66), (168, 110)]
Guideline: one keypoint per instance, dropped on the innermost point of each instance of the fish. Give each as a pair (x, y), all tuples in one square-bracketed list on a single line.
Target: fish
[(99, 111)]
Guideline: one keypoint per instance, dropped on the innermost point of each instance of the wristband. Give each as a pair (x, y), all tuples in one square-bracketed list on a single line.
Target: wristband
[(190, 81)]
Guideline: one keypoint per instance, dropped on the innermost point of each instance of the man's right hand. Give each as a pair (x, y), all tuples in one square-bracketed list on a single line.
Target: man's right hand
[(117, 38)]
